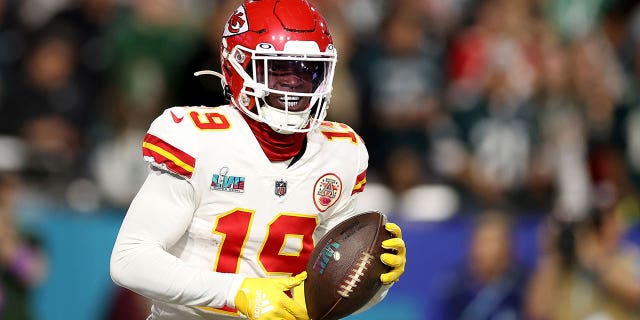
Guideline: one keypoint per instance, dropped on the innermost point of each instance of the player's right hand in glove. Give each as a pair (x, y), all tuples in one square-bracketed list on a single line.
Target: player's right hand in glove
[(265, 298)]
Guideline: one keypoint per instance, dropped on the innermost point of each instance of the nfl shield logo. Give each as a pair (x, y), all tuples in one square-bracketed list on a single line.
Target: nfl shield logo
[(281, 188)]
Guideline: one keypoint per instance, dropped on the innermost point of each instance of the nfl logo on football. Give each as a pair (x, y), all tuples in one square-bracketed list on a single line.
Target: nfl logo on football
[(281, 188)]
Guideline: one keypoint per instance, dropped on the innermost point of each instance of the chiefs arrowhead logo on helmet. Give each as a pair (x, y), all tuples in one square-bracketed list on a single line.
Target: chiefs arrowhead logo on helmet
[(237, 23)]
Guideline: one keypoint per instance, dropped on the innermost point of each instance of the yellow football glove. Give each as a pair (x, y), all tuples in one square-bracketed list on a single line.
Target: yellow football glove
[(395, 260), (265, 298), (298, 295)]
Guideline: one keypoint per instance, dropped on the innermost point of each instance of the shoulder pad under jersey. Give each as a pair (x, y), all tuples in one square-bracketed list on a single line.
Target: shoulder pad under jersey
[(342, 133), (169, 143)]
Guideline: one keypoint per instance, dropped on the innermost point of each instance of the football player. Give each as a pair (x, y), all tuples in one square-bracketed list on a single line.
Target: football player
[(226, 220)]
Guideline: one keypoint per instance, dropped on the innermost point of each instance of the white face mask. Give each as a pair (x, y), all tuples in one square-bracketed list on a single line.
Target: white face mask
[(291, 88)]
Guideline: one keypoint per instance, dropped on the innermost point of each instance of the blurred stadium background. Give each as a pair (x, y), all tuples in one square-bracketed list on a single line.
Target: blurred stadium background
[(500, 132)]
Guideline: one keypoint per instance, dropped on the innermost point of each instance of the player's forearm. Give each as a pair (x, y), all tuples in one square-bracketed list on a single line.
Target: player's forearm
[(150, 271)]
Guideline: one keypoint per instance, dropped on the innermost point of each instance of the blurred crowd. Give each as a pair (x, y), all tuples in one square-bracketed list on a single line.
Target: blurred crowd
[(529, 107)]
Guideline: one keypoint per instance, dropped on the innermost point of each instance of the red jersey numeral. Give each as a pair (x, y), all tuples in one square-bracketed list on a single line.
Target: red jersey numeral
[(274, 257), (339, 131), (211, 121)]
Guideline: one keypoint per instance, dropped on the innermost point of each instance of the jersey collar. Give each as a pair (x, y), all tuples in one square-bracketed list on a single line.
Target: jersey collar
[(276, 146)]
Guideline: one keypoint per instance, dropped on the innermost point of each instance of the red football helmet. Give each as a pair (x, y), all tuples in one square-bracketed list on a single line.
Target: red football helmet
[(278, 62)]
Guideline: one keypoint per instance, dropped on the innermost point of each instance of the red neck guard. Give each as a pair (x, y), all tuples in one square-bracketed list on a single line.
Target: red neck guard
[(277, 146)]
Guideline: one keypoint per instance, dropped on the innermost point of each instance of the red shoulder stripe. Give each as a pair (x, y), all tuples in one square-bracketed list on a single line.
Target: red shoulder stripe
[(361, 181), (164, 153)]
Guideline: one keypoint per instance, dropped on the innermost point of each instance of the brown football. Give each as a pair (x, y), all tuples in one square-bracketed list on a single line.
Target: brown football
[(344, 270)]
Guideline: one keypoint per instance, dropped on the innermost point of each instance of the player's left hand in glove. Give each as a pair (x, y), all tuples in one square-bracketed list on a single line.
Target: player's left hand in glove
[(265, 299), (298, 296), (398, 258)]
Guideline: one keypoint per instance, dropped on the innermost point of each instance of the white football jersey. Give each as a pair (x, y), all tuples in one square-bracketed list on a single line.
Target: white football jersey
[(253, 217)]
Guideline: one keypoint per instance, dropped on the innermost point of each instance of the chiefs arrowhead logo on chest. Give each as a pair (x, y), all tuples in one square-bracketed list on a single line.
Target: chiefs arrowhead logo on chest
[(327, 191)]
